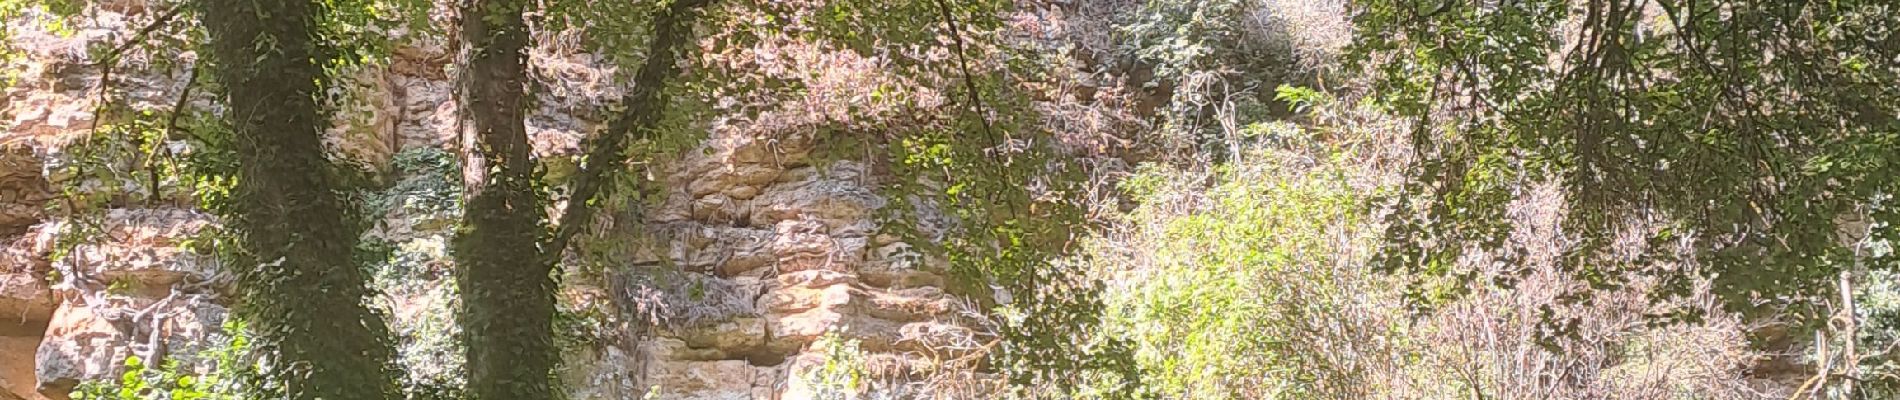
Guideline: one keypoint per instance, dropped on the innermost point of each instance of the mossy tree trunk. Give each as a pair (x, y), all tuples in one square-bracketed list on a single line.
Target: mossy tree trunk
[(504, 274), (505, 254), (303, 293)]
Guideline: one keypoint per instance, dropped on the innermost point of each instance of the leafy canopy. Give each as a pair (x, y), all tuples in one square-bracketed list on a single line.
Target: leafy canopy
[(1764, 134)]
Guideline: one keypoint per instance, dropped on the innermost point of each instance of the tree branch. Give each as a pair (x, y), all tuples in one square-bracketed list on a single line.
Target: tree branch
[(111, 59), (161, 21), (963, 64), (171, 129), (672, 30)]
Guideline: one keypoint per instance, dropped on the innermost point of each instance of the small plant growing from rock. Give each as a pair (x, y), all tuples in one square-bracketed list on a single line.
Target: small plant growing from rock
[(842, 375), (121, 286), (172, 381)]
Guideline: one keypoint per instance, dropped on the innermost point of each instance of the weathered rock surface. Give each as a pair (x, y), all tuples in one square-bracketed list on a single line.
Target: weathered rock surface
[(23, 189), (90, 342), (129, 286), (146, 247), (25, 295), (18, 343), (25, 298), (748, 209)]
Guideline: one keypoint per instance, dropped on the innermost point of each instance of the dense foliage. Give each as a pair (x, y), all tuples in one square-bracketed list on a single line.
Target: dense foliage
[(1162, 199), (1763, 132)]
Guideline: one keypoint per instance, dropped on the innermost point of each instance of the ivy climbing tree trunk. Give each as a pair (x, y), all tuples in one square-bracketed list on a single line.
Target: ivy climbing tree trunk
[(506, 257), (302, 291), (504, 275)]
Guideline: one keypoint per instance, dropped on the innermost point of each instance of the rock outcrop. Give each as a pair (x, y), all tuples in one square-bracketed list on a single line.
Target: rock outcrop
[(803, 241)]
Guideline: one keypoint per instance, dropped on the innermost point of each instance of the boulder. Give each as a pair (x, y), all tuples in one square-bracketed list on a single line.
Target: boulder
[(80, 344), (91, 342), (25, 297), (364, 130)]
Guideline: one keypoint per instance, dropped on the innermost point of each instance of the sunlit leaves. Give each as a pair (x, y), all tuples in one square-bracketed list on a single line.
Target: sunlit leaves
[(1752, 145)]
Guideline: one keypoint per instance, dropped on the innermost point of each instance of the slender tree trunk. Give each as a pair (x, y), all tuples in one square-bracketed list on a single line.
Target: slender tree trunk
[(303, 293), (504, 276)]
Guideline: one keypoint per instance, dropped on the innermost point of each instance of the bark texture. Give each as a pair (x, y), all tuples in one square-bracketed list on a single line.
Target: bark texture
[(504, 276), (304, 295), (505, 255)]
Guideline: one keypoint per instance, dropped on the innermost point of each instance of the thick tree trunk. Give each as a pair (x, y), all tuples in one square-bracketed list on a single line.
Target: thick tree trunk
[(303, 294), (504, 276)]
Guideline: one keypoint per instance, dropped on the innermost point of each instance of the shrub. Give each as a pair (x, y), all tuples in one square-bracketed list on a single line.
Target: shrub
[(1253, 280), (1246, 287), (1879, 301), (228, 379), (842, 375)]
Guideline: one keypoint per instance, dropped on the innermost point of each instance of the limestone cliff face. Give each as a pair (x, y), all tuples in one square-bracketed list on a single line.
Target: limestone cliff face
[(756, 252), (797, 252)]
